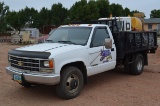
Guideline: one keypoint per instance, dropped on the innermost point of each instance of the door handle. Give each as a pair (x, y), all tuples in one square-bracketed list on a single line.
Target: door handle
[(112, 49)]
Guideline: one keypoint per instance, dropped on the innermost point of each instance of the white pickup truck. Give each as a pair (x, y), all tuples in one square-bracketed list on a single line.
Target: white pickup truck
[(68, 57)]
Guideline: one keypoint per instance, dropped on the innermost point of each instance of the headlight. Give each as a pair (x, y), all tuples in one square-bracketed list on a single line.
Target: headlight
[(48, 63), (47, 66)]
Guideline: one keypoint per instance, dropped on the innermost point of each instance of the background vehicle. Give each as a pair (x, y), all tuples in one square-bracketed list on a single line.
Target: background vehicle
[(43, 38)]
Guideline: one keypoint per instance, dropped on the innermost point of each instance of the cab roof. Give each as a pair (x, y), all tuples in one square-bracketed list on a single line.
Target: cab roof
[(83, 25)]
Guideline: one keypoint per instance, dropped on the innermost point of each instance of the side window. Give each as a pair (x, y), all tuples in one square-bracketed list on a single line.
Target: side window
[(158, 27), (99, 37), (149, 26)]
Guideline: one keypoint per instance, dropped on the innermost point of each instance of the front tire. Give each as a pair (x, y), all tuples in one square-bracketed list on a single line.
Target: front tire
[(71, 83), (138, 65)]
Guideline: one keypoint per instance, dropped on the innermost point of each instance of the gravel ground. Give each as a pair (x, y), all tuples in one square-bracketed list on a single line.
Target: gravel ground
[(112, 88)]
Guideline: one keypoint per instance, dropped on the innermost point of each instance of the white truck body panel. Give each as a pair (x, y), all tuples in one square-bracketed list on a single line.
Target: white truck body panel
[(92, 57), (126, 20)]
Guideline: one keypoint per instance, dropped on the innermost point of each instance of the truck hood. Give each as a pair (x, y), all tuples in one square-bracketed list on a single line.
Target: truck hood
[(53, 48)]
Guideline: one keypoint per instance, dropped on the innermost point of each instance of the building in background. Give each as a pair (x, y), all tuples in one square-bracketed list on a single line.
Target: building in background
[(152, 24), (47, 29), (33, 32)]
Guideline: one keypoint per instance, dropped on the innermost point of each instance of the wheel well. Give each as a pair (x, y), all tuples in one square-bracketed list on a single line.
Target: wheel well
[(80, 65)]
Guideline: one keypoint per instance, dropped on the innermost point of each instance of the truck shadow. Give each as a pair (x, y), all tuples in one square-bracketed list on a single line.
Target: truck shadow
[(108, 77)]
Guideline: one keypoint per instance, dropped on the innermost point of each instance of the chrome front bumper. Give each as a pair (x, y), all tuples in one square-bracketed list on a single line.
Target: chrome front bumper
[(48, 79)]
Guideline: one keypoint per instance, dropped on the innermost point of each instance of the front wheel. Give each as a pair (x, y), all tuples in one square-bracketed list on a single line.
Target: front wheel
[(138, 65), (71, 83)]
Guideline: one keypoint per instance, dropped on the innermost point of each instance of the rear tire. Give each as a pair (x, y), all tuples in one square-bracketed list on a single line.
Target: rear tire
[(71, 83), (138, 65)]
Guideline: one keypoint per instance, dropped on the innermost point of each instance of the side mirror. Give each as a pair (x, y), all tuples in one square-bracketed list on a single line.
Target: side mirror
[(108, 43)]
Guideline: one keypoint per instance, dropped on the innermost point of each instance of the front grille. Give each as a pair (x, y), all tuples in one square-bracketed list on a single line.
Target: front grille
[(25, 63)]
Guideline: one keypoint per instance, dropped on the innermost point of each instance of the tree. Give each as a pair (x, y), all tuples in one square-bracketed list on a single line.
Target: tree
[(44, 18), (104, 8), (116, 10), (83, 11), (3, 11), (78, 10), (92, 11), (155, 13), (29, 16), (58, 14), (134, 11), (12, 19), (126, 11)]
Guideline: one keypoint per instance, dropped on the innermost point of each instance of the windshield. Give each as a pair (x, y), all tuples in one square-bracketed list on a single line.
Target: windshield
[(71, 35)]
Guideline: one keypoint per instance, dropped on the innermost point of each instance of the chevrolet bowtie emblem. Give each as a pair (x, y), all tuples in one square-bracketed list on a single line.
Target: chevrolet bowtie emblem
[(20, 63)]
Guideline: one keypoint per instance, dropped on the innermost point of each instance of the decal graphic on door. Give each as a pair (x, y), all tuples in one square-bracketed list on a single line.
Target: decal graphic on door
[(105, 55)]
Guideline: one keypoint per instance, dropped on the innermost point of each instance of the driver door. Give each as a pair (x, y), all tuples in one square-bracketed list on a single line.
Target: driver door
[(100, 58)]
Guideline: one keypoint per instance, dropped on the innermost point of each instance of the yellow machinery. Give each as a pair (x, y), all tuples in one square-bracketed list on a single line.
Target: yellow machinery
[(137, 21), (136, 24)]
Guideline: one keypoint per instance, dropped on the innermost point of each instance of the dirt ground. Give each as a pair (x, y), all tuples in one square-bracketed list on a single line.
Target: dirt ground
[(112, 88)]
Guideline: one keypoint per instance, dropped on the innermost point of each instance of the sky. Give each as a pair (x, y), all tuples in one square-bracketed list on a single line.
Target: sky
[(141, 5)]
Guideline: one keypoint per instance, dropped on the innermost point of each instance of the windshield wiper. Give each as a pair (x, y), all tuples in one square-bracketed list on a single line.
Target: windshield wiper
[(50, 41), (68, 42)]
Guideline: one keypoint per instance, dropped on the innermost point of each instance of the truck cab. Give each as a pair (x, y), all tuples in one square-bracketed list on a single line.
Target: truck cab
[(66, 59)]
